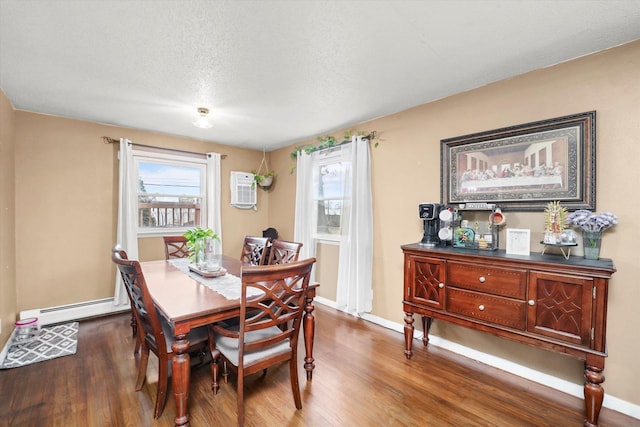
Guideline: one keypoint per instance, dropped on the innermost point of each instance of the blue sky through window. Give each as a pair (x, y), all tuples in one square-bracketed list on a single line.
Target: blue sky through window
[(170, 179)]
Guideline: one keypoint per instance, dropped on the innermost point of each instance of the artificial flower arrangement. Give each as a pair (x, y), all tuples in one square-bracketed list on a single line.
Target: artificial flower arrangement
[(592, 225), (591, 221)]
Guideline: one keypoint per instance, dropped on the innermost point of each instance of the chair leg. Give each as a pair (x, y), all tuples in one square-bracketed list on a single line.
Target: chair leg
[(215, 367), (295, 387), (225, 372), (142, 366), (240, 397), (163, 380)]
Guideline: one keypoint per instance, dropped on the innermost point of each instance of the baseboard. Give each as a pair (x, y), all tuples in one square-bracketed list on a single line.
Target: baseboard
[(559, 384), (79, 311)]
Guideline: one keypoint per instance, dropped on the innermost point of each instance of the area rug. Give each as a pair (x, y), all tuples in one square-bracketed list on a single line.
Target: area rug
[(53, 341)]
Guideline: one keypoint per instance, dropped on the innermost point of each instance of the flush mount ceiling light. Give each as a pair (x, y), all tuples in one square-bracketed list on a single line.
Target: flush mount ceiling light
[(202, 119)]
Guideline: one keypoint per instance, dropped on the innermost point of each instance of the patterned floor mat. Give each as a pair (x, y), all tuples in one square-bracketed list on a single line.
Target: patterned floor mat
[(53, 341)]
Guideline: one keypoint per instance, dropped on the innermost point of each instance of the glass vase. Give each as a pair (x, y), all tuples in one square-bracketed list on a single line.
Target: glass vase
[(591, 241)]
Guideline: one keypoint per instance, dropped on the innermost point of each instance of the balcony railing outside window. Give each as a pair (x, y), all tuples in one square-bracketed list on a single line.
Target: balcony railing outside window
[(168, 215)]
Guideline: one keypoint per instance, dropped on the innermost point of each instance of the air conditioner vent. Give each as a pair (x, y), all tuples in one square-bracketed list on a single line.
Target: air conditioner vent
[(243, 190)]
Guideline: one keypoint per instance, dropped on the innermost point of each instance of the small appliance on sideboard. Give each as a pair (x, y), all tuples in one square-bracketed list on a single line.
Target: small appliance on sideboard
[(429, 213)]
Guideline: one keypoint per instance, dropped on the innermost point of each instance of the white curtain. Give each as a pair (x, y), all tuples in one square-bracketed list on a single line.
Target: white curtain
[(214, 220), (355, 294), (304, 215), (126, 234)]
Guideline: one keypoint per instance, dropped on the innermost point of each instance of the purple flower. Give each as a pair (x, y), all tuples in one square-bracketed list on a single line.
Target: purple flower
[(591, 221)]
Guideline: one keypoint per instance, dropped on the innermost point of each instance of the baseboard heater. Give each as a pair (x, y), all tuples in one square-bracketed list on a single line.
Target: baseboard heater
[(77, 311)]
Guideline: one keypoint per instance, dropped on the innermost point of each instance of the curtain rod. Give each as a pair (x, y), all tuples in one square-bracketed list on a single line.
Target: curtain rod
[(109, 140)]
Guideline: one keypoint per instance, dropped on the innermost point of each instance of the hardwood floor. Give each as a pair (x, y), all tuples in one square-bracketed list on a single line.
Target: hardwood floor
[(361, 379)]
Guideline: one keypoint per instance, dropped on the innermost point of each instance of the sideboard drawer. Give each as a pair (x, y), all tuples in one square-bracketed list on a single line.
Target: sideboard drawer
[(501, 311), (507, 282)]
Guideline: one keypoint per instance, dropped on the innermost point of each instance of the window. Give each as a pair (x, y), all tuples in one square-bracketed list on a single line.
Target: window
[(171, 192), (331, 194)]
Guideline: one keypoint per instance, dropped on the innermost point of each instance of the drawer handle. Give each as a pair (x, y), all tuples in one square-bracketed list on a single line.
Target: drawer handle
[(531, 302), (482, 279), (481, 307), (441, 285)]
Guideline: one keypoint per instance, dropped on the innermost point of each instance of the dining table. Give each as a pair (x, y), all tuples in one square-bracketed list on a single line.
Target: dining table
[(189, 300)]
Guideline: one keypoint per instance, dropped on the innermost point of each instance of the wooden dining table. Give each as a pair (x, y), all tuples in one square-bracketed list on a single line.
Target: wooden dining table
[(187, 303)]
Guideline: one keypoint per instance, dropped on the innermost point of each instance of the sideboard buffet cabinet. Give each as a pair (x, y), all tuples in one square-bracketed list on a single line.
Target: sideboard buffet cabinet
[(545, 301)]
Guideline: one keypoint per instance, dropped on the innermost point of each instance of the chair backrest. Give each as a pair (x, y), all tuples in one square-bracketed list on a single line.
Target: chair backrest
[(283, 252), (175, 247), (253, 250), (282, 290), (141, 303)]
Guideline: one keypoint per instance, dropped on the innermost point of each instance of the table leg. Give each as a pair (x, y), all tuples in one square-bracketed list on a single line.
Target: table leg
[(309, 328), (408, 335), (593, 393), (181, 371)]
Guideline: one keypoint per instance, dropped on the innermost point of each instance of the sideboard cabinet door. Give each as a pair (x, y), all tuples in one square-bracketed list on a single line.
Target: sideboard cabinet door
[(560, 306), (424, 283)]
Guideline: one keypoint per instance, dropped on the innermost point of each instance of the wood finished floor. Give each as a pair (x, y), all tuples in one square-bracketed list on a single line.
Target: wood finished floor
[(361, 379)]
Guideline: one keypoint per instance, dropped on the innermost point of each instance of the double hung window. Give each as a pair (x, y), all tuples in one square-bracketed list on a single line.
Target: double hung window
[(170, 192), (331, 191)]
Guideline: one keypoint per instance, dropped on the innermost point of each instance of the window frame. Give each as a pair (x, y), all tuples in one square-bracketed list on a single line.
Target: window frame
[(177, 160), (327, 157)]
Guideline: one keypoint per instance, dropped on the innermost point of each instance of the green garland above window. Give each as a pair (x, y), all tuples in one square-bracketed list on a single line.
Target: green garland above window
[(328, 141)]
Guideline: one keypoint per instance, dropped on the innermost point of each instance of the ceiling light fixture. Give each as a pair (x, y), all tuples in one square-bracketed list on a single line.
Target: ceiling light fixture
[(202, 119)]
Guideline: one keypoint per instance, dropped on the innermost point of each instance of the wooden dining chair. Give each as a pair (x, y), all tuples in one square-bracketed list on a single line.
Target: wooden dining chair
[(175, 247), (283, 252), (268, 329), (154, 331), (254, 250)]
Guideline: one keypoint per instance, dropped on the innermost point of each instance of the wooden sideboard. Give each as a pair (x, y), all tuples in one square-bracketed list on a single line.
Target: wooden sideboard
[(545, 301)]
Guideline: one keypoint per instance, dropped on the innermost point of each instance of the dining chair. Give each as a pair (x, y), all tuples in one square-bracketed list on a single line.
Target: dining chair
[(154, 331), (283, 252), (254, 250), (271, 306), (175, 247)]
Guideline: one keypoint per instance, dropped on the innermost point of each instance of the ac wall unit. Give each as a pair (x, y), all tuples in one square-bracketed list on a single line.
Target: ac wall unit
[(243, 190)]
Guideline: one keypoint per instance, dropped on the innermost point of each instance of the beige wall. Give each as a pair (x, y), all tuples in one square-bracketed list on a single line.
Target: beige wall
[(8, 304), (406, 171), (66, 192)]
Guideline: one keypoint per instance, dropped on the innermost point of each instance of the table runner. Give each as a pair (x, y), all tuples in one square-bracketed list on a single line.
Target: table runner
[(229, 286)]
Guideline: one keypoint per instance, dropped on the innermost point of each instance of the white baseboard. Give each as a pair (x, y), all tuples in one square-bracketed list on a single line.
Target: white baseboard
[(559, 384), (66, 313)]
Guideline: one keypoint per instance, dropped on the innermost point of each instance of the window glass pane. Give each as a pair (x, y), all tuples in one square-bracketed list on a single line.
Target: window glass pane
[(329, 187), (169, 195), (329, 216)]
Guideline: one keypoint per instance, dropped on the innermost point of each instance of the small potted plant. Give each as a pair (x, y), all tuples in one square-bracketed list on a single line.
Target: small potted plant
[(197, 242), (263, 180)]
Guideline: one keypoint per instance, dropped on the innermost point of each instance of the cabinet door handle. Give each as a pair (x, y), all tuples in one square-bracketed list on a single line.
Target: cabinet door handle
[(481, 307), (482, 279), (531, 302), (441, 285)]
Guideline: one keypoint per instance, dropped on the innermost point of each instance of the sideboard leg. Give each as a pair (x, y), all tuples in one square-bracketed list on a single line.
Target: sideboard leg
[(593, 393), (426, 327), (408, 335)]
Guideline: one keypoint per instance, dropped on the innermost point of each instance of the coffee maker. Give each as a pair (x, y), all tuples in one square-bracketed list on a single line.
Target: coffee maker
[(429, 213)]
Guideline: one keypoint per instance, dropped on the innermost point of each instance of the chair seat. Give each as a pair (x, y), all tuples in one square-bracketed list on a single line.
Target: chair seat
[(229, 346)]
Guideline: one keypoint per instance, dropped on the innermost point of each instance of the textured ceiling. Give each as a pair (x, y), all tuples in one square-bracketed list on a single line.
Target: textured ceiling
[(275, 73)]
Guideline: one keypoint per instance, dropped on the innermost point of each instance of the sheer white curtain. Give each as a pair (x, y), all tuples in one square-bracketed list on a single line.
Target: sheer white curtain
[(304, 216), (214, 220), (126, 234), (355, 294)]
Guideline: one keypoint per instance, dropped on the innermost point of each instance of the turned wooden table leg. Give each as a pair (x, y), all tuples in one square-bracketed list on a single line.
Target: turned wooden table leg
[(181, 371), (426, 327), (408, 335), (309, 329), (593, 393)]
